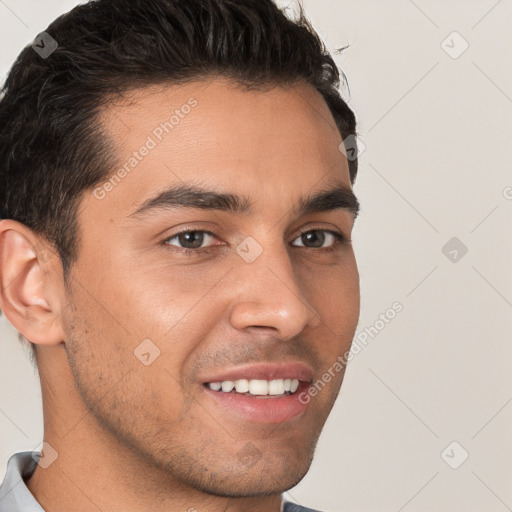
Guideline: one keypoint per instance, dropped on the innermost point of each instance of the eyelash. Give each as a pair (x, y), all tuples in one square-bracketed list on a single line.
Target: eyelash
[(340, 239)]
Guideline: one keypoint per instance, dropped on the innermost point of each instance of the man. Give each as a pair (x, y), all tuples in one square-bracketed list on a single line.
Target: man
[(175, 245)]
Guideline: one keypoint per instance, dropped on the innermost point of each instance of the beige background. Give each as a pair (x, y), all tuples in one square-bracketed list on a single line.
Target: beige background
[(437, 132)]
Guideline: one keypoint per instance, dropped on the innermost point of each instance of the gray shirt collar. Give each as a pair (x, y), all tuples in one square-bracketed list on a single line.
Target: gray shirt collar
[(14, 494)]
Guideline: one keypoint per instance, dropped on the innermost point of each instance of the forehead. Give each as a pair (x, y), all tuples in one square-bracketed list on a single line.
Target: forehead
[(261, 143)]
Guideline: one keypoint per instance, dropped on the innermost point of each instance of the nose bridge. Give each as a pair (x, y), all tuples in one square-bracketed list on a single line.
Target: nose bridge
[(267, 293)]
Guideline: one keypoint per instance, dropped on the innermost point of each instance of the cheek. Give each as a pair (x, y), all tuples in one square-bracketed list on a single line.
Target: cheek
[(136, 308), (135, 401), (333, 291), (140, 299)]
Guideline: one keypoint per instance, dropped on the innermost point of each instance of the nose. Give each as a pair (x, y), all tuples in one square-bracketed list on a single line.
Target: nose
[(268, 296)]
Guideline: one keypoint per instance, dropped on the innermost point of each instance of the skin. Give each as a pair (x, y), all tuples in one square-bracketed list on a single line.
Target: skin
[(132, 437)]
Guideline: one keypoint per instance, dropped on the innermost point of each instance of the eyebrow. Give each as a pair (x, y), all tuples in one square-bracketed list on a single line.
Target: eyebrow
[(338, 196)]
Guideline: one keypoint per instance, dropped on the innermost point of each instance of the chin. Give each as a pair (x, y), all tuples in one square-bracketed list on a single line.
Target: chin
[(252, 487), (265, 477)]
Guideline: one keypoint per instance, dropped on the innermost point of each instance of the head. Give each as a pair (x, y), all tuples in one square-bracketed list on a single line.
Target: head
[(176, 206)]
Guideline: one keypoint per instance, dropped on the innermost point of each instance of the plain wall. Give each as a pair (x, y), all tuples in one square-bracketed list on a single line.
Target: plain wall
[(436, 165)]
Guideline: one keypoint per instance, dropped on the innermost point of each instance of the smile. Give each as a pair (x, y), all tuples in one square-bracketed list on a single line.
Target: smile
[(257, 387), (259, 393)]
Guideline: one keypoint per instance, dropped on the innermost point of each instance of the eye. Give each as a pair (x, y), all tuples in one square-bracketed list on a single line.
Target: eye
[(316, 239), (192, 239), (196, 240)]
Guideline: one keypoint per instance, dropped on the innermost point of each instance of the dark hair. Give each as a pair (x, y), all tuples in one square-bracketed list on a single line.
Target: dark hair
[(52, 148)]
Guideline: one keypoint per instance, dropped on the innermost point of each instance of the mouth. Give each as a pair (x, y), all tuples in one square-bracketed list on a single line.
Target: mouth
[(260, 393)]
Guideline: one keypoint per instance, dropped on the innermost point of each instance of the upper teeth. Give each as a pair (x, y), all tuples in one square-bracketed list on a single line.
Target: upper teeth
[(256, 386)]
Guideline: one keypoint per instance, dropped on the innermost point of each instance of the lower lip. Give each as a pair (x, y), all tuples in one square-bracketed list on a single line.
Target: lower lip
[(261, 409)]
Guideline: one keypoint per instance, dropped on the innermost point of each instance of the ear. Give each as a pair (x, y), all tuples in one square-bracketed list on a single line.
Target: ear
[(30, 284)]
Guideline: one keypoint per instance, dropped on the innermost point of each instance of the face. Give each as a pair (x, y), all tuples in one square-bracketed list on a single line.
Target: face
[(171, 296)]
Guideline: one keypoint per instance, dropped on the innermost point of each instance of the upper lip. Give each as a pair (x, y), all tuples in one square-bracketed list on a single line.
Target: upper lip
[(264, 371)]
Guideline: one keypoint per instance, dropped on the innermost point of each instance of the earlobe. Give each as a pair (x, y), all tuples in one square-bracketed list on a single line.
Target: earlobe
[(26, 297)]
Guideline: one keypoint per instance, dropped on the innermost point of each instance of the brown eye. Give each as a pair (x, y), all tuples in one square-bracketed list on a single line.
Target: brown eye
[(190, 239), (318, 237)]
